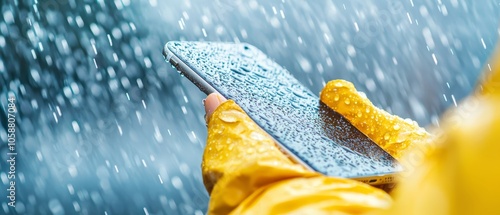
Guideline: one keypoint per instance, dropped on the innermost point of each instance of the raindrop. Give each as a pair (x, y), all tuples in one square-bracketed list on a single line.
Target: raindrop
[(351, 51), (304, 64), (177, 182), (35, 75), (109, 40), (56, 207), (454, 101), (347, 101), (76, 127), (72, 170), (204, 32), (434, 58), (2, 42), (387, 136)]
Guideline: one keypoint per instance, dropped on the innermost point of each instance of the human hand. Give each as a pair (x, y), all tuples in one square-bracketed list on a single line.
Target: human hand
[(241, 158)]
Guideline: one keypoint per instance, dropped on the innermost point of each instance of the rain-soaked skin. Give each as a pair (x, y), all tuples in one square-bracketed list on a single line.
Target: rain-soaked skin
[(237, 144)]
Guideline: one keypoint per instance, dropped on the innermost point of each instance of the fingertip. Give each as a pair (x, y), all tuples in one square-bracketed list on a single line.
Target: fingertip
[(211, 103), (221, 98)]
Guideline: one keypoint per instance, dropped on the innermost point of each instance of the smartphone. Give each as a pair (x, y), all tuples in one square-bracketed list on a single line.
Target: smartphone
[(307, 130)]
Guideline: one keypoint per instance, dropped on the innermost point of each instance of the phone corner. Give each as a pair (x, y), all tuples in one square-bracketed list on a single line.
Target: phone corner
[(166, 50)]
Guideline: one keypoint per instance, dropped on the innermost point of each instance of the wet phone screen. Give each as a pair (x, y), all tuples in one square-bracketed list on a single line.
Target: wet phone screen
[(305, 128)]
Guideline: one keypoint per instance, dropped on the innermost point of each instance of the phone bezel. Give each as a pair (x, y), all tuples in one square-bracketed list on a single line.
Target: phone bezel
[(205, 87)]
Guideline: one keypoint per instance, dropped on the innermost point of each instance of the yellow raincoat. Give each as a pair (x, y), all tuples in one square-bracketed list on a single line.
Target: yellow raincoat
[(453, 171)]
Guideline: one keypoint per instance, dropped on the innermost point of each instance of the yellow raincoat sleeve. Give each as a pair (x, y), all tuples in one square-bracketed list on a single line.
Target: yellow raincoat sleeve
[(246, 173)]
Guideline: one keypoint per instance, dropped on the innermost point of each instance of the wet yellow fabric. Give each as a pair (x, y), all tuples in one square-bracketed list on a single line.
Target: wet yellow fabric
[(394, 134), (461, 175), (245, 173)]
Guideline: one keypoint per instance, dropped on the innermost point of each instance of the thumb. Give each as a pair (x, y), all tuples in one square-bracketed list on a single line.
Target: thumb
[(211, 103), (394, 134)]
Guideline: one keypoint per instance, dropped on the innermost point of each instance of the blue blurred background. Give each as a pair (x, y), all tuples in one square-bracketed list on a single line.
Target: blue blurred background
[(105, 126)]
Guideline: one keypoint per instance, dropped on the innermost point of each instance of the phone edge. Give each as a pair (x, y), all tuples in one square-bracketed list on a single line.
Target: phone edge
[(207, 89), (199, 82)]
